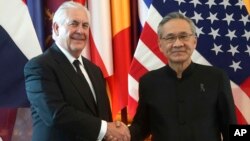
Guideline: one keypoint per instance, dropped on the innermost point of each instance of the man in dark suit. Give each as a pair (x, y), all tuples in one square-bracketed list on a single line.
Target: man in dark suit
[(182, 101), (66, 91)]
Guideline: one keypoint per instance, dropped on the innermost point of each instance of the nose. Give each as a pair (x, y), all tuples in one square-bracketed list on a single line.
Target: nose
[(177, 43), (80, 29)]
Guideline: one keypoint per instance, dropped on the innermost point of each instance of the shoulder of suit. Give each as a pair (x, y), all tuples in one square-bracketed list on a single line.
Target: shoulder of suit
[(208, 69), (154, 74), (42, 58)]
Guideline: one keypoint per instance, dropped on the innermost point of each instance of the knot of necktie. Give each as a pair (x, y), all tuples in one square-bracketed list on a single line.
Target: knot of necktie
[(77, 63)]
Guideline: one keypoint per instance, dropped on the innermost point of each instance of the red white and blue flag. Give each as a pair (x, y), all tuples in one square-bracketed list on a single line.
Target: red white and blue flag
[(223, 30), (18, 43)]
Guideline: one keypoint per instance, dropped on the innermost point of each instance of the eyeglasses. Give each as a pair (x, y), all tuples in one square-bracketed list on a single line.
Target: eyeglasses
[(173, 38)]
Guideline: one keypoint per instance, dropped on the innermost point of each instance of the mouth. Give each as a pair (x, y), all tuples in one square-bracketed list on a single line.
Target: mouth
[(78, 37), (178, 51)]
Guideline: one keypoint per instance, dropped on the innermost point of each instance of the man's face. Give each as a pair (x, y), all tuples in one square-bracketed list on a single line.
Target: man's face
[(177, 42), (74, 32)]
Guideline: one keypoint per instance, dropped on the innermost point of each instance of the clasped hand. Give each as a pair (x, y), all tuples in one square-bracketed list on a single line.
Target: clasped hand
[(117, 131)]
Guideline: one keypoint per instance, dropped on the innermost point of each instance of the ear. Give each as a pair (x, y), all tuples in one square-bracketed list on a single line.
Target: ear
[(55, 28), (195, 41), (159, 44)]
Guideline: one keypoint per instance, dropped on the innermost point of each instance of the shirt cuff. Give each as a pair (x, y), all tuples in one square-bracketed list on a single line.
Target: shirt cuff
[(103, 130)]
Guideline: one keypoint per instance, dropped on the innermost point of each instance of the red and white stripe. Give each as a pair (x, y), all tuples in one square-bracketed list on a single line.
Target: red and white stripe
[(142, 11), (147, 57), (101, 37)]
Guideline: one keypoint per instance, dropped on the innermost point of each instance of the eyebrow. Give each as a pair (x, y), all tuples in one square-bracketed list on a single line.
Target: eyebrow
[(78, 22), (172, 34)]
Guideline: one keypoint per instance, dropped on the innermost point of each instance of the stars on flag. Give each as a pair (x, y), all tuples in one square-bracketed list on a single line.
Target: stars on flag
[(244, 19), (217, 49), (240, 4), (223, 34), (225, 3), (180, 1), (248, 50), (228, 18), (195, 2), (236, 65), (231, 34), (246, 34), (212, 17), (210, 3), (197, 17), (214, 32), (233, 50)]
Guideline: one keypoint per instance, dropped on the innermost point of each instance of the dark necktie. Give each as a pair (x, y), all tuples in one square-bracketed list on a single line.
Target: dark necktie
[(76, 63)]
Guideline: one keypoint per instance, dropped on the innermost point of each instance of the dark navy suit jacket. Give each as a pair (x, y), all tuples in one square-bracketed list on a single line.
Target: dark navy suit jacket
[(60, 104), (197, 107)]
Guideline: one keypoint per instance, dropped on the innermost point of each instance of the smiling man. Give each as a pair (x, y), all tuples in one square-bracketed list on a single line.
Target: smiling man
[(66, 91), (182, 101)]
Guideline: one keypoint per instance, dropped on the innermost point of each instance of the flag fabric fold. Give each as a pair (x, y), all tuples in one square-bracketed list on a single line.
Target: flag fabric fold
[(18, 43), (101, 52), (121, 41)]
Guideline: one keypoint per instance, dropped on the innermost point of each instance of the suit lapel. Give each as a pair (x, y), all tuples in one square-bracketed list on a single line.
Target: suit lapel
[(92, 77), (69, 71), (102, 100)]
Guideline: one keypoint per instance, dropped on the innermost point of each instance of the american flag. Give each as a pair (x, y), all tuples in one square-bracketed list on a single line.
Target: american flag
[(223, 31)]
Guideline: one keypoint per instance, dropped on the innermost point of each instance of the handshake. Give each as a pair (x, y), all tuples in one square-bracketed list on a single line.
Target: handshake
[(117, 131)]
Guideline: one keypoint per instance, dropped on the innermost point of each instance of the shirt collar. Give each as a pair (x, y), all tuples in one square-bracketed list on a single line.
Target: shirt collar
[(188, 71), (68, 55)]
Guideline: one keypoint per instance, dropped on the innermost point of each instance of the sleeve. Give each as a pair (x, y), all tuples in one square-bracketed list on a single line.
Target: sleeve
[(49, 106), (139, 128), (103, 130), (226, 106)]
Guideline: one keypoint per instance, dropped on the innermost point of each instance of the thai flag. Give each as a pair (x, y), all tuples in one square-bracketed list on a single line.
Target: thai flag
[(18, 43)]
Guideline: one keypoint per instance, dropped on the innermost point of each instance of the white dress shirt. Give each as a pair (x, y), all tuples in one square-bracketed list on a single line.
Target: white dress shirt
[(71, 59)]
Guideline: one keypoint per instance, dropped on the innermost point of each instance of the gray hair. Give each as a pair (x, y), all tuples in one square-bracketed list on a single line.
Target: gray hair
[(175, 15), (61, 13)]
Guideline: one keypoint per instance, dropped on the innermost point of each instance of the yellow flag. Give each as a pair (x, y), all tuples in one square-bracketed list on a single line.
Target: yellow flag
[(247, 4)]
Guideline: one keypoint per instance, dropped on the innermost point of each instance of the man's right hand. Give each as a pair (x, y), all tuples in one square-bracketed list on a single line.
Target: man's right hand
[(117, 131)]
